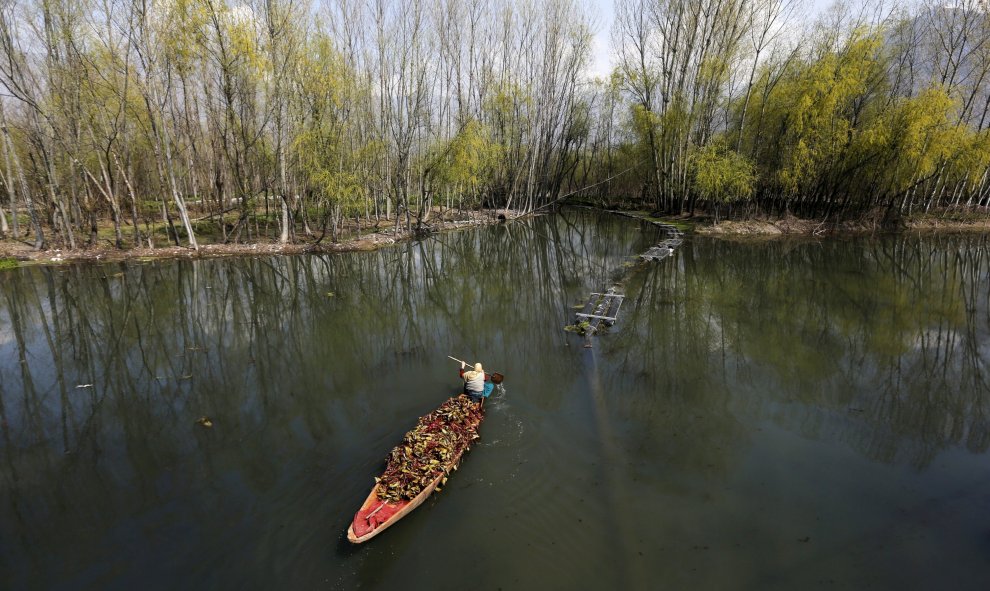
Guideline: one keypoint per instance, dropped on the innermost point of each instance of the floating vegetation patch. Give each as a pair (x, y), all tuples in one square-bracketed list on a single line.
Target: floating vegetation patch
[(582, 328), (430, 449), (6, 263)]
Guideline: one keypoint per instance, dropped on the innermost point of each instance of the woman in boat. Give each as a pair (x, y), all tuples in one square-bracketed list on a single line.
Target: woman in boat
[(474, 381)]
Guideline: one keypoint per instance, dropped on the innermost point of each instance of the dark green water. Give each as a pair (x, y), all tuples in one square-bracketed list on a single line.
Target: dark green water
[(781, 415)]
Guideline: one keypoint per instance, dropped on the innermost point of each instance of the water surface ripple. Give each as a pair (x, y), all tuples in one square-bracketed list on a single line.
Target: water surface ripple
[(765, 415)]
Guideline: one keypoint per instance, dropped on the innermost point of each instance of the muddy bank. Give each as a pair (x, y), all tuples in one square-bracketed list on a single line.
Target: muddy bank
[(383, 235), (792, 226), (370, 239)]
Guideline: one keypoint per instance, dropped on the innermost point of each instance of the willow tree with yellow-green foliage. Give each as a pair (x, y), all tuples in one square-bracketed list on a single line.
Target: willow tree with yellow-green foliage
[(247, 120), (833, 136), (721, 176), (867, 109), (181, 121), (460, 167), (327, 148)]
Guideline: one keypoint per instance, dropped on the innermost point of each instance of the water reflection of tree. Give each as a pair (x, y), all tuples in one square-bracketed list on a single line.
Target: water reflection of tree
[(291, 357), (875, 342), (680, 415), (878, 343)]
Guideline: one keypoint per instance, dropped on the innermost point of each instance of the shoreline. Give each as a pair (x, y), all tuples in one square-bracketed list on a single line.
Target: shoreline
[(764, 227), (795, 227), (373, 239), (16, 253)]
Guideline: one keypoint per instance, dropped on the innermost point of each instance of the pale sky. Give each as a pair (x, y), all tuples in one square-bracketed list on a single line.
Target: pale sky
[(602, 44)]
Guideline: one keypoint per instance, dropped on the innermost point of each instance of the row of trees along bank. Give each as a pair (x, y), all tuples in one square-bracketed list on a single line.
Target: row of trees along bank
[(274, 118), (879, 105)]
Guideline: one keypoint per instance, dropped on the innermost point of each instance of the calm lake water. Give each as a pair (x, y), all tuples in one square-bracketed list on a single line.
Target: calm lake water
[(765, 415)]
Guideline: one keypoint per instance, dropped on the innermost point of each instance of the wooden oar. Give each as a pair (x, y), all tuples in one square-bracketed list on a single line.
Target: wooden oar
[(496, 377)]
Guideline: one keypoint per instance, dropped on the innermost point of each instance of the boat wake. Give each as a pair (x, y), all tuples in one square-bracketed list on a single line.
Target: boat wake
[(500, 403)]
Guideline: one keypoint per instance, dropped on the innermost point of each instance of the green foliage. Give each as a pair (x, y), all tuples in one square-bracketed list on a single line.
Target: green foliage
[(469, 158), (815, 108), (829, 127), (246, 41), (715, 70), (6, 264), (506, 113), (912, 139), (720, 174), (325, 148), (582, 328), (644, 121), (182, 31), (973, 157), (372, 109), (647, 128)]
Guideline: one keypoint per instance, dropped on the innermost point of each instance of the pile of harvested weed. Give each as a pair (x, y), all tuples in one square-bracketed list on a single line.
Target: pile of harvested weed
[(429, 448)]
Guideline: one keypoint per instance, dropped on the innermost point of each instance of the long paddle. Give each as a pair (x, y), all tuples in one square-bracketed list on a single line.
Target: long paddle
[(496, 377)]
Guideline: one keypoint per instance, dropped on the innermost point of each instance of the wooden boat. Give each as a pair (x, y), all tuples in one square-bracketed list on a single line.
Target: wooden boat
[(375, 515)]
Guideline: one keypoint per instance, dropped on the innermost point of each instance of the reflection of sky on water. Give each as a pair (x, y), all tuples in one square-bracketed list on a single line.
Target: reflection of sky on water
[(750, 397), (897, 342)]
